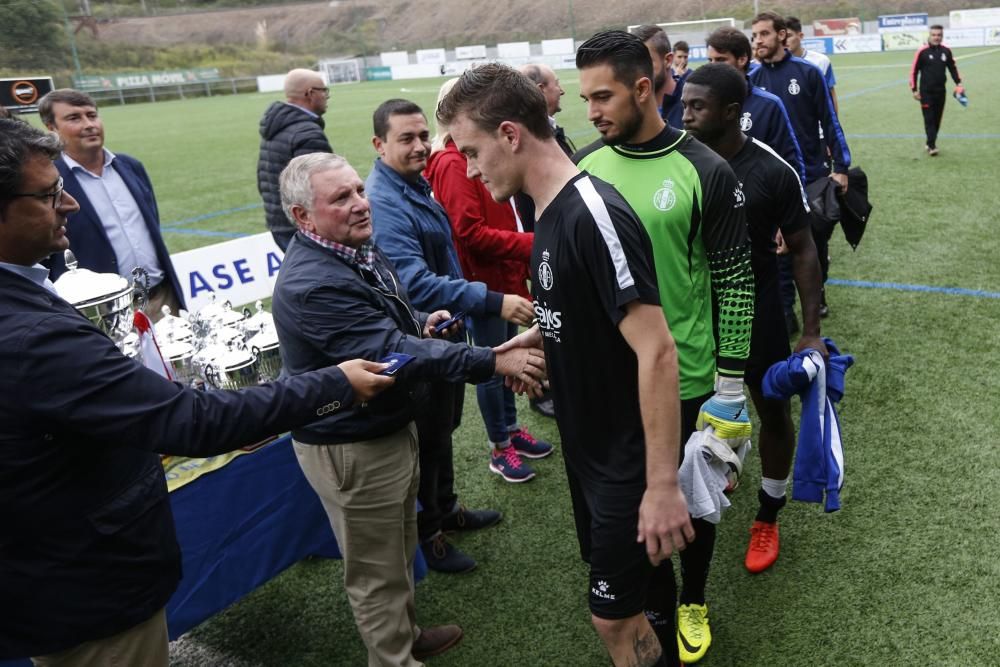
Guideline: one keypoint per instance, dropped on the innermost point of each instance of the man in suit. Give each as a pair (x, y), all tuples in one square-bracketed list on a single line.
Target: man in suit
[(117, 228), (90, 556)]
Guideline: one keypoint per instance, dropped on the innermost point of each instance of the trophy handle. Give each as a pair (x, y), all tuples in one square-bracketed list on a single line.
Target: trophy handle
[(212, 376), (140, 283)]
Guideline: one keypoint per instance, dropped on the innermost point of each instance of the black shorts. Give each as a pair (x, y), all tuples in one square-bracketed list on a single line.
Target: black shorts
[(768, 333), (606, 527)]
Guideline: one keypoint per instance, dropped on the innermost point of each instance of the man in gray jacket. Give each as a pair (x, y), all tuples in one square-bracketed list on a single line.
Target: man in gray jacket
[(289, 129)]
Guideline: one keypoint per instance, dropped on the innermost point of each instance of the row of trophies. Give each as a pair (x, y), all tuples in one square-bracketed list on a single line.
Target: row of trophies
[(215, 347)]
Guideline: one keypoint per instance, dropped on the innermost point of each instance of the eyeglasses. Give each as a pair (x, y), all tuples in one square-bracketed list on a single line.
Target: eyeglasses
[(324, 91), (56, 196)]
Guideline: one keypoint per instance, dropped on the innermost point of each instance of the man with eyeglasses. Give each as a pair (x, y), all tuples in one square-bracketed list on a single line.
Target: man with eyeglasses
[(289, 129), (89, 552), (117, 228)]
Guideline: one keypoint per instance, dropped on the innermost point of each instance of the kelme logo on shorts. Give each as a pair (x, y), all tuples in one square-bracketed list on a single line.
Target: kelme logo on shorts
[(793, 87), (746, 122), (602, 590), (664, 198)]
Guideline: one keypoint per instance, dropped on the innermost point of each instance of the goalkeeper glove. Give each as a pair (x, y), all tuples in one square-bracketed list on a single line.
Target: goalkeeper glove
[(960, 95), (726, 412)]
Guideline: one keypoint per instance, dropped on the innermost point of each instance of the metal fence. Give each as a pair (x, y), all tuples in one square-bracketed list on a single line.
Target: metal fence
[(183, 91)]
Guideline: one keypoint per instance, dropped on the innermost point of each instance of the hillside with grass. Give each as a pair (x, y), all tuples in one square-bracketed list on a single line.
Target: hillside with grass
[(249, 37)]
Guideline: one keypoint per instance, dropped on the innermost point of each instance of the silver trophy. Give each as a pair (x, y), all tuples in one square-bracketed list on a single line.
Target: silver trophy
[(106, 299)]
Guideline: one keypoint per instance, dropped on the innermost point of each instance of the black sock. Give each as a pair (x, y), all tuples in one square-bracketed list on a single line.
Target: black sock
[(769, 506), (661, 606), (695, 562)]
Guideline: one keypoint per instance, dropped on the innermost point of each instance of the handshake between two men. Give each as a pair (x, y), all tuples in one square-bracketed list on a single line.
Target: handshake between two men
[(520, 361)]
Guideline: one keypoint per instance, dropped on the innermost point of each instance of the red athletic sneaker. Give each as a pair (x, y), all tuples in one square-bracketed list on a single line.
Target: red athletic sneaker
[(763, 549)]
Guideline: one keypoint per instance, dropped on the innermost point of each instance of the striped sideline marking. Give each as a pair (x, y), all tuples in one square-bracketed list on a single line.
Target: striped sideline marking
[(956, 291)]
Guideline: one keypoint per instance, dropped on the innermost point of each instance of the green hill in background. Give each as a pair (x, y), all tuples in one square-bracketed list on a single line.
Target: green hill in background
[(249, 37)]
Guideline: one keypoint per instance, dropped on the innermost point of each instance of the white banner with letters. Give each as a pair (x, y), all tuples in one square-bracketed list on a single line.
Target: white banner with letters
[(239, 271), (857, 44), (514, 50), (473, 52), (992, 36), (957, 38), (974, 18), (430, 57), (557, 47), (393, 58)]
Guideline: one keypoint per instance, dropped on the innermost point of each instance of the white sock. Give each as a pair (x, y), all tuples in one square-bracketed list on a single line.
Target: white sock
[(776, 488)]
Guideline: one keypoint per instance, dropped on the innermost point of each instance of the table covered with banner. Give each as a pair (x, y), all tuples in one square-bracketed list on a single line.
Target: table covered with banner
[(251, 518)]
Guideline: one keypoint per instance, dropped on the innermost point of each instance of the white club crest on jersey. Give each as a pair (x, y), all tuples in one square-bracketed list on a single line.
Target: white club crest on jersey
[(944, 56), (545, 277), (793, 87), (664, 198), (738, 197), (746, 122)]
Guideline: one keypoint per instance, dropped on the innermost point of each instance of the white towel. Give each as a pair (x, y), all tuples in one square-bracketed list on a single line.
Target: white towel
[(704, 474)]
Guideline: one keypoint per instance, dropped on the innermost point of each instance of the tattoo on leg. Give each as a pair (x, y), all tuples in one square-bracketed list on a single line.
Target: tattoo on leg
[(646, 649)]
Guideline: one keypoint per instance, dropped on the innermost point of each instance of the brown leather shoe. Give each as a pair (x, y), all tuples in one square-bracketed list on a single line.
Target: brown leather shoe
[(435, 641)]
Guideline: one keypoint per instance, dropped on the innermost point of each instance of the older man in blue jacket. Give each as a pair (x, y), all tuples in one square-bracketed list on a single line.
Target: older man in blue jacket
[(88, 554), (415, 234), (337, 296)]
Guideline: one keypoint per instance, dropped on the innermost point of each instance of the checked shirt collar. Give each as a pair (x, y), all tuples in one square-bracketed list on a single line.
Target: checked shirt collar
[(363, 256)]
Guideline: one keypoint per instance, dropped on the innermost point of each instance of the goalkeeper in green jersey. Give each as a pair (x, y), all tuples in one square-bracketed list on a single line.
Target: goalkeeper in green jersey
[(690, 202)]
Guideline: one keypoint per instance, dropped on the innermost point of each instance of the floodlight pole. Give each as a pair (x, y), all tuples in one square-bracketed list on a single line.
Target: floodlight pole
[(72, 41), (572, 24)]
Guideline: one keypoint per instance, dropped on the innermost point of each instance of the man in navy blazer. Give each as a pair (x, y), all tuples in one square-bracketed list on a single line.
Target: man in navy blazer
[(118, 225), (89, 553)]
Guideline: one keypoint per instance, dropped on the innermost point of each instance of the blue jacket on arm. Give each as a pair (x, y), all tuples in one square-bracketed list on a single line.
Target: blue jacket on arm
[(414, 233), (819, 463), (326, 311)]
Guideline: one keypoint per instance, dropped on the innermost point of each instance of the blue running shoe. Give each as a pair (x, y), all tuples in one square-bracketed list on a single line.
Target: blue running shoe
[(508, 464), (528, 445)]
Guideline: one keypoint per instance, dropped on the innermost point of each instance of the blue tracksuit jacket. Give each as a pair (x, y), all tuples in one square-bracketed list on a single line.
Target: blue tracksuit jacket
[(765, 118), (819, 463), (801, 86)]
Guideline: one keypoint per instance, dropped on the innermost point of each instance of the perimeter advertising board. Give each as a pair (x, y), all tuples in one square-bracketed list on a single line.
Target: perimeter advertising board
[(836, 27), (173, 77), (857, 44), (22, 94), (974, 18), (239, 271), (902, 22), (958, 38), (473, 52), (903, 41)]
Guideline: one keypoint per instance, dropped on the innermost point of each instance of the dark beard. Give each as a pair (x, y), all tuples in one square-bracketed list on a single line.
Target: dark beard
[(660, 81), (629, 128)]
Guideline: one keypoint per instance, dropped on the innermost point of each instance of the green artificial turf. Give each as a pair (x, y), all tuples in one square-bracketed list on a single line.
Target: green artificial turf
[(906, 574)]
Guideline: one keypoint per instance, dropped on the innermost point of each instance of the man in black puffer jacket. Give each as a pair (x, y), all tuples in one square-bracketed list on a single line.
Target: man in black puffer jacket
[(289, 129)]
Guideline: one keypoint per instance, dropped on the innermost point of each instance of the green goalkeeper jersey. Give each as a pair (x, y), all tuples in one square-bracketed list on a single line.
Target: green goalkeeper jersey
[(691, 204)]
